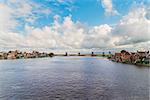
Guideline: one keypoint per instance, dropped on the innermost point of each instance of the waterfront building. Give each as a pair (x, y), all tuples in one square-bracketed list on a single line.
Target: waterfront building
[(35, 54), (12, 54), (3, 55), (18, 55), (139, 57), (142, 54), (147, 59), (134, 57), (125, 56), (117, 57), (43, 54)]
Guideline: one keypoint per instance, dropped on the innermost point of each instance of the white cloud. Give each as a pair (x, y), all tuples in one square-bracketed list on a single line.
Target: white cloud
[(132, 31), (134, 27), (22, 9), (108, 6), (10, 11), (13, 10), (11, 40), (68, 35), (98, 37), (7, 22)]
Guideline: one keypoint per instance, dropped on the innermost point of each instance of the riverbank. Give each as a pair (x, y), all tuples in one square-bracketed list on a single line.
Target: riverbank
[(98, 55), (137, 64), (35, 54), (23, 55), (139, 58)]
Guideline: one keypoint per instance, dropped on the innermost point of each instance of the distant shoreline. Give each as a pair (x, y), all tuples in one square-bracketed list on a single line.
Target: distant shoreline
[(139, 58), (123, 57), (138, 64), (35, 54), (99, 55)]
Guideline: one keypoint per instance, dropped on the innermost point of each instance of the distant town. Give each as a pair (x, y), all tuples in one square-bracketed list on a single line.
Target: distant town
[(18, 54), (36, 54), (139, 57)]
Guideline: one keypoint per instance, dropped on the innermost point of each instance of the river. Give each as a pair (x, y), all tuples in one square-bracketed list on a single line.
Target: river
[(72, 78)]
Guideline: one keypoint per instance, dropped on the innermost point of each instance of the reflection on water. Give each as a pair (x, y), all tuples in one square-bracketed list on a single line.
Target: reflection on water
[(72, 78)]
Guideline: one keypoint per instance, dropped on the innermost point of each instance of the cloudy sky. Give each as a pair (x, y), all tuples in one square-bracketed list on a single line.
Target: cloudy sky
[(74, 24)]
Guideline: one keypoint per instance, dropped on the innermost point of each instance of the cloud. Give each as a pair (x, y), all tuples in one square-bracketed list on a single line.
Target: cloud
[(68, 35), (134, 27), (7, 21), (15, 12), (22, 9), (98, 37), (108, 7), (132, 31), (60, 35)]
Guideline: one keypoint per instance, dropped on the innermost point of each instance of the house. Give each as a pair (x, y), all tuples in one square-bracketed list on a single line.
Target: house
[(24, 55), (17, 55), (30, 55), (134, 57), (139, 57), (3, 55), (43, 54), (12, 54), (125, 56), (142, 55), (35, 54), (117, 57), (147, 59)]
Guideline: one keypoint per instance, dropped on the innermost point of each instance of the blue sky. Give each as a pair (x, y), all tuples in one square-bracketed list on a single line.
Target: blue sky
[(90, 12), (84, 11), (74, 24)]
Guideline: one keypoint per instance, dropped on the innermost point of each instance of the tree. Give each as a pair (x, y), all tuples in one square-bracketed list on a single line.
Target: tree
[(122, 51), (66, 54), (51, 54), (92, 53), (103, 54), (79, 54)]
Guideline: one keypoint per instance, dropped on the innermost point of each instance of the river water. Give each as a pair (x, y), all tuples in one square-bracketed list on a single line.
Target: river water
[(72, 78)]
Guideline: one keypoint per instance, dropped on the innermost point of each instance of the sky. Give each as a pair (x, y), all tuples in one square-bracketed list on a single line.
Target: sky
[(75, 24)]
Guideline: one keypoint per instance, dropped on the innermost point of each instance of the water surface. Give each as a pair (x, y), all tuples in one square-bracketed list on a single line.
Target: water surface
[(72, 78)]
